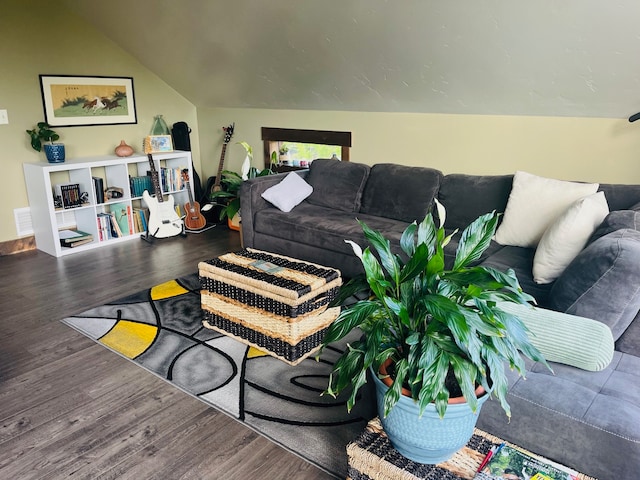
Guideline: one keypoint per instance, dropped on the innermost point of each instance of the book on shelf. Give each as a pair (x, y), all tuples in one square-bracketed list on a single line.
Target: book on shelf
[(106, 225), (81, 242), (142, 214), (67, 195), (74, 238), (122, 214), (140, 184), (506, 461), (98, 186)]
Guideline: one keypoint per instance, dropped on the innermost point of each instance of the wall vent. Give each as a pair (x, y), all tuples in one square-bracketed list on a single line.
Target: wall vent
[(24, 226)]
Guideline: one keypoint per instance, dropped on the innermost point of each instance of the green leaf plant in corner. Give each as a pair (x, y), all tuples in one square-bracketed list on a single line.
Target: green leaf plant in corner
[(229, 196), (442, 328)]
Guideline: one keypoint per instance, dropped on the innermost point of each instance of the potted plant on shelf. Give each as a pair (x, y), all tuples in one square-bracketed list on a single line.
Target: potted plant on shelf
[(284, 154), (435, 337), (229, 197), (42, 133)]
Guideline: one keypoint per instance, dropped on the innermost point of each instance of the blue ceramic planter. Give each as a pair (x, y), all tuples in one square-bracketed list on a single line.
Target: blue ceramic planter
[(426, 439), (54, 152)]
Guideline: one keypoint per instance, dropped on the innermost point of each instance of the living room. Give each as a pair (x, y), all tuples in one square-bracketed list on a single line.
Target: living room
[(547, 89)]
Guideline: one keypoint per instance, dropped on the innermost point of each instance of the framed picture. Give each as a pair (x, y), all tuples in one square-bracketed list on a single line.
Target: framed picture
[(71, 101), (158, 143)]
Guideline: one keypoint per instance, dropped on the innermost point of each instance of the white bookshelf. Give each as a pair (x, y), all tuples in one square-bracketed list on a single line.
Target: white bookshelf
[(47, 220)]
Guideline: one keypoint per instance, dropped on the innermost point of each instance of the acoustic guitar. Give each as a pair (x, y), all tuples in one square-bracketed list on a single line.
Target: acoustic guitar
[(163, 220), (193, 220), (214, 209)]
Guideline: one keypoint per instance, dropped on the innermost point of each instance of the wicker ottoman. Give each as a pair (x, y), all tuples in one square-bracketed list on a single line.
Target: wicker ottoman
[(275, 303), (372, 457)]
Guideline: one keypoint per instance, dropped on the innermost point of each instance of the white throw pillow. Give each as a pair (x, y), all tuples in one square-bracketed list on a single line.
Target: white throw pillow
[(567, 236), (288, 193), (534, 203)]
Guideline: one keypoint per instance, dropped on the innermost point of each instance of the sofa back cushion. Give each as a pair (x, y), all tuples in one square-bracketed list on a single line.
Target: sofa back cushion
[(603, 282), (400, 192), (466, 197), (620, 196), (337, 184)]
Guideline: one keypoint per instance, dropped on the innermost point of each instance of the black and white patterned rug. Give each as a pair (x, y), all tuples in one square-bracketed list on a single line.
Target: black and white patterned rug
[(160, 329)]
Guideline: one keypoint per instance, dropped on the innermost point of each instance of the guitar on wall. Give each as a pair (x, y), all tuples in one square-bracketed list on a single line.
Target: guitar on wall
[(193, 220), (163, 220), (213, 209)]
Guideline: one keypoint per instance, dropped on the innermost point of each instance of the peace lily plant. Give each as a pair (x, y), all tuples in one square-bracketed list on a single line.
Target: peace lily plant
[(442, 328), (232, 181)]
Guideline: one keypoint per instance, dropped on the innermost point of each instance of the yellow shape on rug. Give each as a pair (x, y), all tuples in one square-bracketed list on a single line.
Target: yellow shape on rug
[(255, 353), (130, 338), (167, 290)]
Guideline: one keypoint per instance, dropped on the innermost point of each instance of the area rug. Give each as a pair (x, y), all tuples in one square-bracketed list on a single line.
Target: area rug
[(160, 329)]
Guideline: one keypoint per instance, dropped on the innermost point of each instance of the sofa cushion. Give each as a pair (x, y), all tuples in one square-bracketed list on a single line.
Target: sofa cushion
[(615, 221), (533, 205), (400, 192), (621, 196), (288, 193), (466, 197), (603, 282), (567, 236), (324, 227), (337, 184)]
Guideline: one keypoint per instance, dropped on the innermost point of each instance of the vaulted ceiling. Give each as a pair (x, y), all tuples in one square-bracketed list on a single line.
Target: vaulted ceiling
[(513, 57)]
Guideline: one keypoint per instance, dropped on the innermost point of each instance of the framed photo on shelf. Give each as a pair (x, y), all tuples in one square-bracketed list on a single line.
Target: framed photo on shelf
[(71, 101), (158, 143)]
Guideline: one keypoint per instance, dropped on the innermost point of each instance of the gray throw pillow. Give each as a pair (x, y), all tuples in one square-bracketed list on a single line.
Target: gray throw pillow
[(603, 282), (337, 184), (615, 221)]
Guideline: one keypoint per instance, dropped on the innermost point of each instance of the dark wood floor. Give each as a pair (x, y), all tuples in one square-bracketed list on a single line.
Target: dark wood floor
[(70, 408)]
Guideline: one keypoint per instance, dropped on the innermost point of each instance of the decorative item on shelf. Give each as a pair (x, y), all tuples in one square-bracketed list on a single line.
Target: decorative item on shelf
[(440, 326), (42, 133), (159, 126), (157, 143), (124, 150)]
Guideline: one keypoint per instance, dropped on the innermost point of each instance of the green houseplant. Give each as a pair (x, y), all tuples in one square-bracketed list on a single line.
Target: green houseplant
[(229, 196), (43, 133), (441, 328)]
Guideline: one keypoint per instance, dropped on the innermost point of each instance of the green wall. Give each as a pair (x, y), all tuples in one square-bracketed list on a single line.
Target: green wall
[(39, 37)]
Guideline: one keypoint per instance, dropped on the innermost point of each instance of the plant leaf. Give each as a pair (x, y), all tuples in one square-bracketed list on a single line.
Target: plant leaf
[(475, 240)]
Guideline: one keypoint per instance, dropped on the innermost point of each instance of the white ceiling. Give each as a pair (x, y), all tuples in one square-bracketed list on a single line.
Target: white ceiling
[(515, 57)]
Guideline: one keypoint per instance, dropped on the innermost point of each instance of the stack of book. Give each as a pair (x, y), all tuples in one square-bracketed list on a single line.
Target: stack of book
[(74, 238)]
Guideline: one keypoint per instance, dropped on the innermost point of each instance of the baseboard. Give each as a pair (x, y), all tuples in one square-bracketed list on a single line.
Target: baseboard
[(16, 246)]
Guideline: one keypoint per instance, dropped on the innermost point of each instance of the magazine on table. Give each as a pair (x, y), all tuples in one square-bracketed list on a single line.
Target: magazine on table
[(508, 463)]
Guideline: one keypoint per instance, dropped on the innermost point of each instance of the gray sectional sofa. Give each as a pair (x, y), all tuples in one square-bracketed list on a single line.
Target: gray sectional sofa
[(588, 420)]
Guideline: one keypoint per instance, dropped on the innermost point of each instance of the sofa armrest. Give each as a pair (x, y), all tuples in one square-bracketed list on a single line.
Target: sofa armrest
[(577, 341), (251, 201)]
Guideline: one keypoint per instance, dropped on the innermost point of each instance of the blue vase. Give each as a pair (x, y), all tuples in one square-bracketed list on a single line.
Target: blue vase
[(427, 439), (54, 152)]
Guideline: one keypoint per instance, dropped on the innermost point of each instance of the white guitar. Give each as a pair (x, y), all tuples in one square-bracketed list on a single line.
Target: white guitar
[(163, 220)]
